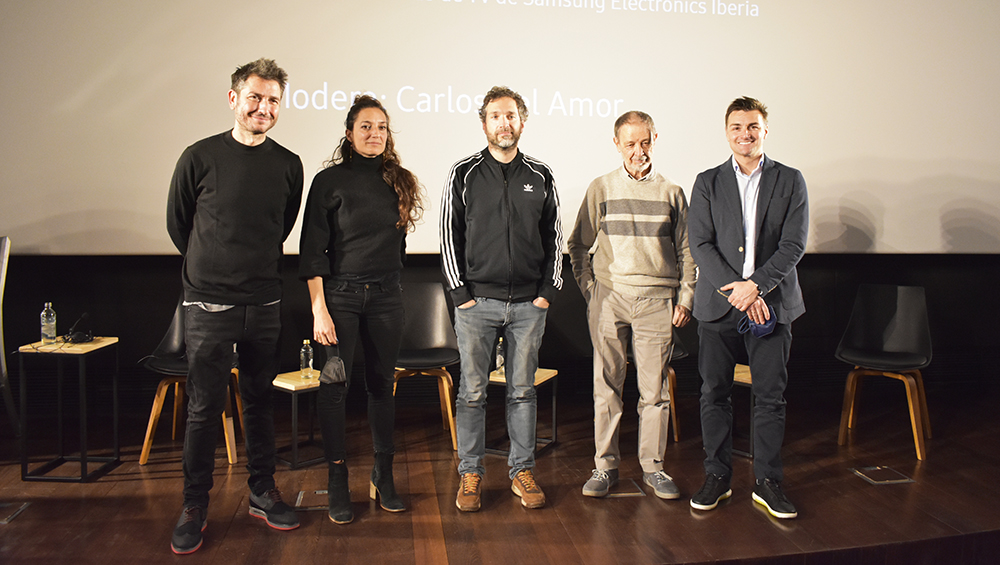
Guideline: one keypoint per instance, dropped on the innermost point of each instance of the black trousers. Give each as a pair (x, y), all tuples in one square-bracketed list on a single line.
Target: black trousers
[(210, 337), (720, 346), (373, 314)]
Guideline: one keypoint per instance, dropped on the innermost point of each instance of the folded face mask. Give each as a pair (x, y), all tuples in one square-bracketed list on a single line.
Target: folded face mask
[(333, 371), (758, 330)]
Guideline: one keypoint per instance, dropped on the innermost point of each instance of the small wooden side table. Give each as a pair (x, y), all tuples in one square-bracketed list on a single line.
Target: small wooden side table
[(61, 350), (293, 383)]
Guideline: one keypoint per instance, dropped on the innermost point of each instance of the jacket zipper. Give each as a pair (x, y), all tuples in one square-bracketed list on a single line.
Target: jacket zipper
[(510, 254)]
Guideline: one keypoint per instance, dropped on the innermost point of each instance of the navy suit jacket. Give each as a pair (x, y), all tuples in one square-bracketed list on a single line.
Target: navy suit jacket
[(715, 233)]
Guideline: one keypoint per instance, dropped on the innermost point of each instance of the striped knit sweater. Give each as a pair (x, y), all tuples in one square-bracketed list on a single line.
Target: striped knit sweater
[(632, 236)]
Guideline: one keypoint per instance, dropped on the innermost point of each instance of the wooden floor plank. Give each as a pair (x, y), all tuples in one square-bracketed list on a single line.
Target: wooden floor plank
[(128, 515)]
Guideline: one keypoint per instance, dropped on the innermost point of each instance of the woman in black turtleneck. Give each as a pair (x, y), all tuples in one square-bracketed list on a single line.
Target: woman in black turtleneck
[(351, 252)]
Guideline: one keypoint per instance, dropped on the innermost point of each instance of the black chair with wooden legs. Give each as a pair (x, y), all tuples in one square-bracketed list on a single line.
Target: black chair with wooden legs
[(170, 359), (429, 345), (888, 335)]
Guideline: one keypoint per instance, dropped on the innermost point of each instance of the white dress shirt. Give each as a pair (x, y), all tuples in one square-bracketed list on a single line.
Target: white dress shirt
[(749, 186)]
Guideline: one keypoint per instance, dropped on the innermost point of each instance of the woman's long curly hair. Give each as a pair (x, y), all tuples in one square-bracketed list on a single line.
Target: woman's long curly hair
[(405, 183)]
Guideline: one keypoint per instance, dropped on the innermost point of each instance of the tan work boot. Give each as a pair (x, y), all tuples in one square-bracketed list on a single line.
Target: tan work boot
[(524, 485), (469, 493)]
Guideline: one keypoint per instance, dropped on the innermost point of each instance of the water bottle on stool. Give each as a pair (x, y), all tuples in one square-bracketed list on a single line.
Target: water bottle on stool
[(306, 360)]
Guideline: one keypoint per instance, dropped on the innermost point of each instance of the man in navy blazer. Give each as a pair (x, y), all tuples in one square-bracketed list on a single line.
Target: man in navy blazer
[(747, 227)]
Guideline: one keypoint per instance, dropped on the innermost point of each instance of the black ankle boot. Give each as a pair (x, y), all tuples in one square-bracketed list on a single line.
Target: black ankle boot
[(339, 495), (382, 486)]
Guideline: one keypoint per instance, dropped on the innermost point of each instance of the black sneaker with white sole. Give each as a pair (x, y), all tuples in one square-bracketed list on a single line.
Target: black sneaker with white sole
[(715, 489), (768, 493)]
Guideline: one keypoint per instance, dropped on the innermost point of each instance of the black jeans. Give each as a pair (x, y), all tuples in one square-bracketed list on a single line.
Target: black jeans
[(720, 346), (373, 313), (210, 338)]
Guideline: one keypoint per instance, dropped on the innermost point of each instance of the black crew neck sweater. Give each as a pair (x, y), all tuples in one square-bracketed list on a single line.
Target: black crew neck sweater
[(230, 208)]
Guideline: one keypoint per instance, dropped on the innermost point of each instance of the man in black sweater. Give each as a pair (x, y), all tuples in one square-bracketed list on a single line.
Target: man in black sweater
[(233, 200)]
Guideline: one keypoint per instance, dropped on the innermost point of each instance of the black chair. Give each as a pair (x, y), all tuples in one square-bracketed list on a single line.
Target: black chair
[(8, 398), (888, 335), (429, 345), (170, 358)]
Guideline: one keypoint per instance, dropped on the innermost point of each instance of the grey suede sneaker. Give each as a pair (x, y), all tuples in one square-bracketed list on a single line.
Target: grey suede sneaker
[(663, 485), (600, 482)]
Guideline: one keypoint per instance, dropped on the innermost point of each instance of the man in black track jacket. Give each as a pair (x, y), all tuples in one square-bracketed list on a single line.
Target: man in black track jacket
[(501, 252)]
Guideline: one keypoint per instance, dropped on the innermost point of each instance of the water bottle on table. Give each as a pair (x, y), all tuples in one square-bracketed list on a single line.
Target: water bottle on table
[(48, 324), (306, 360)]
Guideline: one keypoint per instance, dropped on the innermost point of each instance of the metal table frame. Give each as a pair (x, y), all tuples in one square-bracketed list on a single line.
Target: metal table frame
[(294, 384), (61, 350)]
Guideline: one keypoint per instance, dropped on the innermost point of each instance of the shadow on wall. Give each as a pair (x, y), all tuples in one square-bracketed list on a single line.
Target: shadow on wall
[(970, 226), (852, 223), (877, 217), (85, 232)]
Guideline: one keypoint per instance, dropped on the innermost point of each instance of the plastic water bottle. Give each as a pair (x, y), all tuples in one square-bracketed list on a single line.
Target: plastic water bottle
[(500, 368), (306, 360), (48, 324)]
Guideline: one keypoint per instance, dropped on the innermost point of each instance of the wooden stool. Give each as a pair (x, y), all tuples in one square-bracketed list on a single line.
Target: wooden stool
[(446, 393), (741, 377), (178, 385)]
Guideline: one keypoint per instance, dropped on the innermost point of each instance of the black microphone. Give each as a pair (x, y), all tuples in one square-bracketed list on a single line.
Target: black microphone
[(73, 336)]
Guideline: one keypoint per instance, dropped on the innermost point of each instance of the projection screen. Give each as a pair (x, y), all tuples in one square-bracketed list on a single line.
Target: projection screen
[(888, 108)]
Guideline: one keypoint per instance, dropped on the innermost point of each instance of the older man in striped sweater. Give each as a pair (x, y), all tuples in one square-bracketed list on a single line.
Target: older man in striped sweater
[(629, 250)]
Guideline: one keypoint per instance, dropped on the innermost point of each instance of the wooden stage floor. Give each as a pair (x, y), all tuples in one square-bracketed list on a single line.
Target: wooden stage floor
[(947, 514)]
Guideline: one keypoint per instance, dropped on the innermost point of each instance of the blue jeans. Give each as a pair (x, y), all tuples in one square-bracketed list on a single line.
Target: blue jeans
[(522, 325), (373, 314), (210, 337)]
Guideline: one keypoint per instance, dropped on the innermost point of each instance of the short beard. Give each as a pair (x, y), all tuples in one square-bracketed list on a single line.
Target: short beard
[(505, 143)]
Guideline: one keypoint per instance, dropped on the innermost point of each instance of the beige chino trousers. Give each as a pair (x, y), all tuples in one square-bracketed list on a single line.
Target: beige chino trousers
[(613, 319)]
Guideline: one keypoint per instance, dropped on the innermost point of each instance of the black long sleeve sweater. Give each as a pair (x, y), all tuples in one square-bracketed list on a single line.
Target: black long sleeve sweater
[(230, 208), (349, 228)]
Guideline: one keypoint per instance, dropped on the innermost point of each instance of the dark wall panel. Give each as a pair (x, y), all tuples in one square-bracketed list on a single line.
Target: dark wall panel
[(133, 297)]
